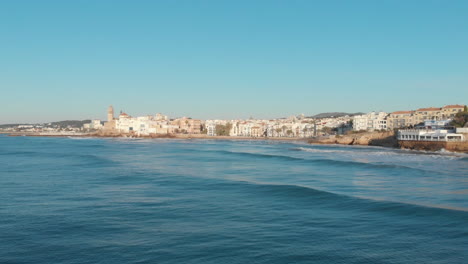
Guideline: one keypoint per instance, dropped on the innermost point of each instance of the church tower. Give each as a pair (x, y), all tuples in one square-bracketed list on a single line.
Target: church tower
[(110, 113)]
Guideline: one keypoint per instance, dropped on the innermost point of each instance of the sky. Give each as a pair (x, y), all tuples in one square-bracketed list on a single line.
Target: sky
[(64, 60)]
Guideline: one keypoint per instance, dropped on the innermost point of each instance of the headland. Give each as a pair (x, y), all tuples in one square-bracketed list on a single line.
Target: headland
[(390, 139)]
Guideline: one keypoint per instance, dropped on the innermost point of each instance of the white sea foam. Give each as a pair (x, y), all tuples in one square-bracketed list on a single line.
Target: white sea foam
[(444, 154)]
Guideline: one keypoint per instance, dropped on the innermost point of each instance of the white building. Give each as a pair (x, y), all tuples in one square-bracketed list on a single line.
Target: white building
[(95, 124), (429, 135), (210, 126), (370, 122)]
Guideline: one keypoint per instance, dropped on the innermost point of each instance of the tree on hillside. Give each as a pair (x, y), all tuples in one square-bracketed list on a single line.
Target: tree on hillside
[(460, 119)]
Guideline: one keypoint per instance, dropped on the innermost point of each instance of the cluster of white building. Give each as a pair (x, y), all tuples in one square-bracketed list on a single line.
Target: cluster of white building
[(294, 126), (158, 124)]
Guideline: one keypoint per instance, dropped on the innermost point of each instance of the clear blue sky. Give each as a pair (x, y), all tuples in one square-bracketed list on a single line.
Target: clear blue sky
[(229, 59)]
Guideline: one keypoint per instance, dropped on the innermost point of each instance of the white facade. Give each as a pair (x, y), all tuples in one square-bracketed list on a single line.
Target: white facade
[(370, 122), (429, 135), (95, 124), (210, 126), (143, 125)]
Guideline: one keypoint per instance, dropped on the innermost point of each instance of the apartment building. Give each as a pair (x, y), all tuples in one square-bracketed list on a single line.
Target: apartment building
[(402, 119), (370, 122)]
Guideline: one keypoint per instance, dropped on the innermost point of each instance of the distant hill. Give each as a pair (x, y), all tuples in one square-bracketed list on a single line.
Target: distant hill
[(71, 123), (66, 123), (334, 114), (9, 125)]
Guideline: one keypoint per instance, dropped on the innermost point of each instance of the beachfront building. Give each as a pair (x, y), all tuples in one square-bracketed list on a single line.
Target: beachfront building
[(248, 128), (186, 125), (370, 122), (241, 129), (210, 126), (429, 135), (257, 131), (297, 127)]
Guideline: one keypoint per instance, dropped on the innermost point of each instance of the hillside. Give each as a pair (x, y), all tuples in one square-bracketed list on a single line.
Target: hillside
[(62, 124), (334, 114)]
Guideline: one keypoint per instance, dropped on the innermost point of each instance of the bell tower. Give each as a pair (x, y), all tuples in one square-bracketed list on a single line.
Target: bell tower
[(110, 113)]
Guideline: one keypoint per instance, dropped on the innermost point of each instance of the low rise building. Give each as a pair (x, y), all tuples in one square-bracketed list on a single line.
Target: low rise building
[(429, 135), (401, 119), (449, 111)]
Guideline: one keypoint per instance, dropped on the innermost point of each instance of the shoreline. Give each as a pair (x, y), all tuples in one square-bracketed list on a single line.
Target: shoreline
[(388, 139), (378, 139), (170, 136)]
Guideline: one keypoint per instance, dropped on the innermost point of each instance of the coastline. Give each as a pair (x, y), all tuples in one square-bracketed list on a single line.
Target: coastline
[(388, 139), (380, 139), (170, 136)]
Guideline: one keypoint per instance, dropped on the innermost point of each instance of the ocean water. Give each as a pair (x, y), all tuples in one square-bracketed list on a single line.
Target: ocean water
[(92, 200)]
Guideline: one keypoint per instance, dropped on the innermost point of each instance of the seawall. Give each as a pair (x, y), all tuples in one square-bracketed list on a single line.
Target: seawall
[(434, 145)]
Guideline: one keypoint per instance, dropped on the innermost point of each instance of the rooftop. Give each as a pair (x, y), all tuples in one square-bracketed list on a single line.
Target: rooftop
[(429, 109), (402, 112), (454, 106)]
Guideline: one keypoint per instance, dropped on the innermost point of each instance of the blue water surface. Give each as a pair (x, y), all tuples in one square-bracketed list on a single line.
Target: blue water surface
[(94, 200)]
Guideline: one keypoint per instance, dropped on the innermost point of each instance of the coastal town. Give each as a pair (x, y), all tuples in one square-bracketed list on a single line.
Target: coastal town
[(299, 126), (446, 123)]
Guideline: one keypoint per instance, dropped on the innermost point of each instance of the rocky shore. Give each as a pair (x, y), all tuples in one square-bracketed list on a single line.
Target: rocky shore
[(383, 139), (388, 139)]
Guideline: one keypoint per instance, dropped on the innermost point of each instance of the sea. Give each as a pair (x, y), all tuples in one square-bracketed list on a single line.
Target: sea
[(116, 200)]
